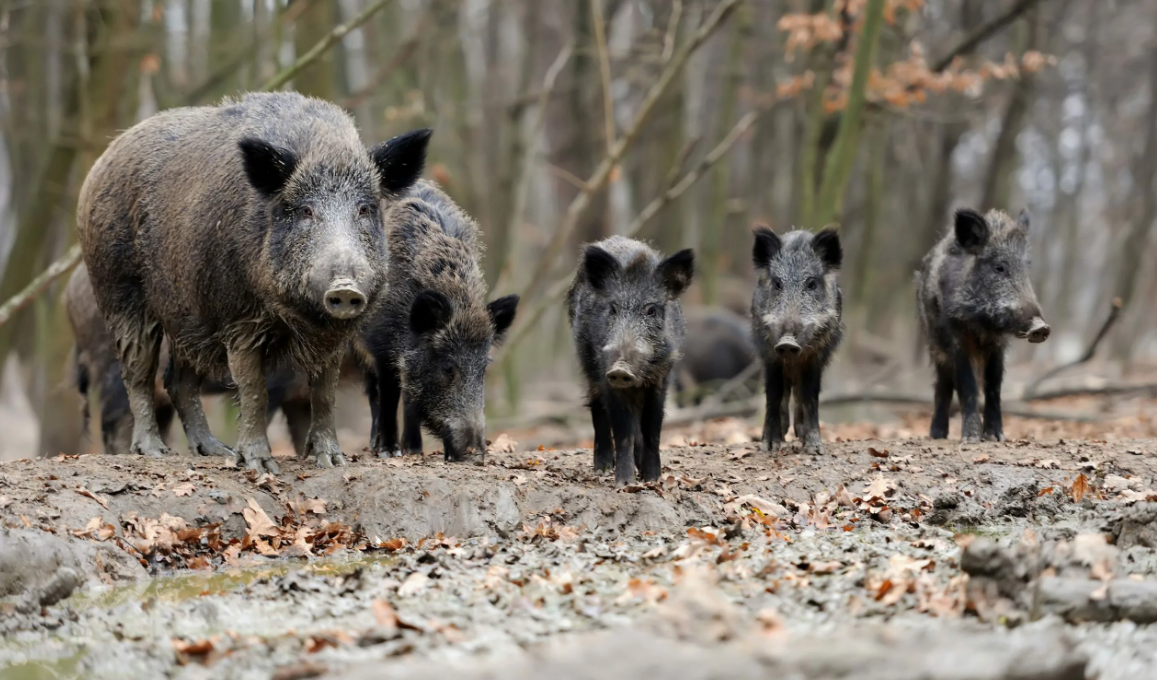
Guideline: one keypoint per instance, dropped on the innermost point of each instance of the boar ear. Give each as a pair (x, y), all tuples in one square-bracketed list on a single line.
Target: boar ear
[(826, 244), (767, 246), (971, 229), (1022, 219), (502, 313), (676, 271), (400, 159), (429, 313), (599, 266), (267, 166)]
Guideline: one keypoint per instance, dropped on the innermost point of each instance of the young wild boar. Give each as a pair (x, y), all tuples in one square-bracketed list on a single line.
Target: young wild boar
[(250, 235), (797, 322), (430, 340), (973, 293), (96, 364), (628, 330), (718, 348)]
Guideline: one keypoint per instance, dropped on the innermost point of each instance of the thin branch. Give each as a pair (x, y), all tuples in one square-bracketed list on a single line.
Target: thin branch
[(558, 290), (602, 173), (604, 72), (407, 49), (1114, 313), (983, 33), (39, 284), (677, 167), (672, 29), (324, 44)]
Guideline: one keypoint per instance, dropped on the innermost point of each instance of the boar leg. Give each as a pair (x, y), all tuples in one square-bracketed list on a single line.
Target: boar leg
[(184, 387), (298, 415), (389, 390), (604, 443), (322, 443), (371, 390), (252, 440), (624, 425), (968, 392), (775, 419), (942, 399), (651, 423), (411, 429), (139, 348), (807, 408), (993, 376)]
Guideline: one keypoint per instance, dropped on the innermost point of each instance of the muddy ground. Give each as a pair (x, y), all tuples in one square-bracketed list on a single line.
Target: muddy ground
[(737, 563)]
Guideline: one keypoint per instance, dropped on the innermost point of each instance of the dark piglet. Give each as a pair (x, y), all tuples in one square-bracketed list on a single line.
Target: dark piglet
[(718, 348), (430, 341), (250, 235), (974, 294), (628, 329), (97, 367), (797, 323)]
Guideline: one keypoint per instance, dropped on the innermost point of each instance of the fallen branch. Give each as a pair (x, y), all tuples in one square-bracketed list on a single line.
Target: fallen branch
[(1147, 389), (39, 284), (72, 257), (602, 173), (1114, 314), (556, 292)]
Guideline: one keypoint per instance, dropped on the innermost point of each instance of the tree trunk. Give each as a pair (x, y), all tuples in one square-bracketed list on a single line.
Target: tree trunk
[(317, 79)]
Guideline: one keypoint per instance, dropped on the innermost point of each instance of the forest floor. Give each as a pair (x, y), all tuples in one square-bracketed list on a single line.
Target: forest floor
[(1032, 558)]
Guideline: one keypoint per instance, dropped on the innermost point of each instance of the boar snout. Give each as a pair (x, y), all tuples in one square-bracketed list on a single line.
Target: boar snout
[(621, 376), (788, 347), (344, 300), (466, 441), (1037, 331)]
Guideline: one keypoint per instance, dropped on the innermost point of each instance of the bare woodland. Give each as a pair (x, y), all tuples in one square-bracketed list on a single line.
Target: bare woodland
[(684, 122)]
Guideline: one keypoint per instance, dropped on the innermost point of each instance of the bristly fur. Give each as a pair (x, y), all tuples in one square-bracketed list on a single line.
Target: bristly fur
[(624, 309), (974, 291), (797, 298), (221, 228), (432, 337)]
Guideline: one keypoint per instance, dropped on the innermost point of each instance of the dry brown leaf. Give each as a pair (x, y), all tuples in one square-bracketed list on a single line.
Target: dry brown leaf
[(504, 444), (415, 583), (982, 458), (232, 555), (645, 589), (85, 492), (879, 488), (259, 522), (385, 614), (1080, 487), (876, 453), (5, 502), (829, 567), (770, 622), (185, 489), (300, 546), (200, 563)]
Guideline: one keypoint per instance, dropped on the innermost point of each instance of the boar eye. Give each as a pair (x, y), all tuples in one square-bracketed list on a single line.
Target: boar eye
[(777, 282), (651, 310), (306, 211), (999, 269), (364, 210), (614, 309), (813, 283)]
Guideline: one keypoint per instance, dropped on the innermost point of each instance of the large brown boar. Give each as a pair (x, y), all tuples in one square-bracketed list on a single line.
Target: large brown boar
[(974, 293), (249, 234), (430, 340)]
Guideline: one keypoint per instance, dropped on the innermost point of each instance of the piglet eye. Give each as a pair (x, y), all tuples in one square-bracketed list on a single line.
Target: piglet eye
[(614, 309), (651, 310), (364, 210), (777, 282), (306, 211), (999, 269), (813, 283)]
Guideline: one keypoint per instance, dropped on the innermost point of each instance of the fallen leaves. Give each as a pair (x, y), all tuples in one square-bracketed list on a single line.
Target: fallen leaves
[(504, 444), (88, 494), (1080, 487), (185, 489), (897, 580), (259, 522), (414, 584)]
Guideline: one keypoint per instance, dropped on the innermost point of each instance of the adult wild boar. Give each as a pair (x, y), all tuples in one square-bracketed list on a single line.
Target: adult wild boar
[(628, 328), (430, 340), (797, 322), (973, 294), (249, 234), (718, 349)]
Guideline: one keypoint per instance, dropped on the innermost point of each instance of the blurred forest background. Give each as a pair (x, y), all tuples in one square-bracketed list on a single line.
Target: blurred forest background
[(682, 122)]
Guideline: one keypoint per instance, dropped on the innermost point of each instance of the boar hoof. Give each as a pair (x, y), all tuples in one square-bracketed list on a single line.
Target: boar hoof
[(970, 439), (326, 452), (813, 448), (211, 447), (257, 456), (388, 453), (772, 445), (152, 447), (993, 436)]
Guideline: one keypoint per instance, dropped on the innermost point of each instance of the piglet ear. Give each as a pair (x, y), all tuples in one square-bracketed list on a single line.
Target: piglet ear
[(826, 245), (676, 271), (502, 313), (1022, 219), (401, 159), (971, 229), (267, 166), (599, 266), (767, 245), (429, 313)]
